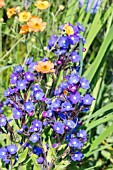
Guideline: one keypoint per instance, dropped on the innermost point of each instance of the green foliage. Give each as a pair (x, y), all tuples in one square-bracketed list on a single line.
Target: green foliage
[(96, 65)]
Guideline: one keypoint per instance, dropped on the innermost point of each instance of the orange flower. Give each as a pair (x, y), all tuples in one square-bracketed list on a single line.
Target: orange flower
[(24, 29), (35, 24), (68, 29), (24, 16), (11, 12), (2, 3), (65, 92), (42, 4), (45, 67)]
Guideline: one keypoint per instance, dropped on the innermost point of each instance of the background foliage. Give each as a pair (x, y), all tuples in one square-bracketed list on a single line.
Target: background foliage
[(97, 68)]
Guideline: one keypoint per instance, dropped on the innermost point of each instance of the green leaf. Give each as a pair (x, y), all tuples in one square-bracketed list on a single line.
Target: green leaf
[(97, 24), (62, 165), (71, 12), (36, 165), (106, 154), (99, 121), (99, 139), (91, 71), (23, 155), (62, 147), (6, 67), (51, 152), (101, 111)]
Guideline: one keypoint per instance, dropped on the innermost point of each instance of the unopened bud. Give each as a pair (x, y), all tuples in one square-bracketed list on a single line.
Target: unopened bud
[(61, 7), (1, 20)]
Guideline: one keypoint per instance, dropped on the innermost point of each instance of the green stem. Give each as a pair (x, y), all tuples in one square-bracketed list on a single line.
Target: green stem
[(0, 40), (81, 54), (12, 48)]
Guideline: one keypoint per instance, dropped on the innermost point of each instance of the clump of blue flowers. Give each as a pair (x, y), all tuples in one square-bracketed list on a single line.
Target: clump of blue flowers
[(47, 113), (91, 4)]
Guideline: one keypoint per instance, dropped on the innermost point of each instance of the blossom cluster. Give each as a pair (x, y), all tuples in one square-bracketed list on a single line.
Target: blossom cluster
[(39, 105), (27, 21), (93, 4)]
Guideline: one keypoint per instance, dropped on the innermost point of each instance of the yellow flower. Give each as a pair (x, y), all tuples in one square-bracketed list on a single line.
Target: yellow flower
[(35, 24), (2, 3), (45, 67), (24, 29), (10, 12), (24, 16), (68, 29), (42, 4)]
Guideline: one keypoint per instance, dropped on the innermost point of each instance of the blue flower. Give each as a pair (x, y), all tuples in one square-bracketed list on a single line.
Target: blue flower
[(75, 143), (3, 153), (75, 57), (52, 41), (62, 116), (80, 27), (84, 83), (34, 138), (73, 39), (82, 134), (47, 114), (6, 161), (29, 76), (18, 69), (67, 106), (38, 95), (3, 120), (21, 84), (37, 150), (63, 42), (70, 123), (36, 87), (77, 156), (72, 88), (31, 66), (8, 92), (29, 61), (12, 149), (58, 91), (36, 126), (75, 97), (24, 127), (60, 51), (13, 78), (29, 107), (58, 127), (55, 105), (17, 113), (74, 79), (87, 99), (64, 85), (95, 5), (40, 160)]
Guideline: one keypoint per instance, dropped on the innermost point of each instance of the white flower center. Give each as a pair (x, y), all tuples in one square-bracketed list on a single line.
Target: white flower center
[(57, 128), (81, 135), (18, 113), (21, 84), (68, 107), (87, 100), (28, 76), (3, 120), (14, 78)]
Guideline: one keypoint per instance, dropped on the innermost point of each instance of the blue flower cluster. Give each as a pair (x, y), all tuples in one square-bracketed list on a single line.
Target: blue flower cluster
[(95, 4), (61, 45), (36, 110)]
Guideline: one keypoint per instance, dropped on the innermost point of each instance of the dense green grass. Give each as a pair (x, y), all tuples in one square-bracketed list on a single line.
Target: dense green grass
[(97, 68)]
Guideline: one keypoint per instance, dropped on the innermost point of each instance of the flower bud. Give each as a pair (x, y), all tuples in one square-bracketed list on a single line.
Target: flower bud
[(61, 7)]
